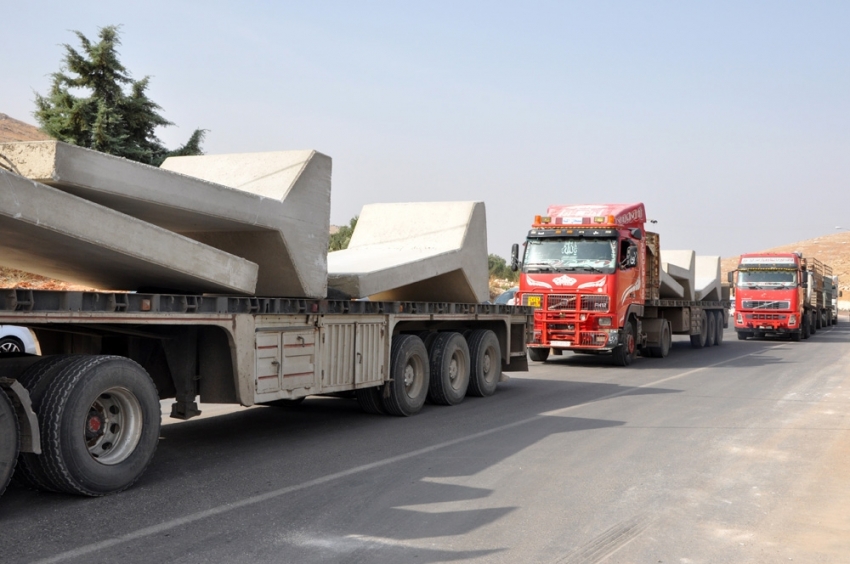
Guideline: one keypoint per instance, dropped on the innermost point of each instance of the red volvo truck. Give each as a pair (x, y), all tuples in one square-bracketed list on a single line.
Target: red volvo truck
[(782, 294), (593, 275)]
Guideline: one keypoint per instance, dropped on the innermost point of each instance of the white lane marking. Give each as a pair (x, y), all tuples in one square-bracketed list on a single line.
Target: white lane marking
[(253, 500)]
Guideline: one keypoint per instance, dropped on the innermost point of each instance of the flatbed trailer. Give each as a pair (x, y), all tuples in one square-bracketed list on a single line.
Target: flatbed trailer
[(92, 401)]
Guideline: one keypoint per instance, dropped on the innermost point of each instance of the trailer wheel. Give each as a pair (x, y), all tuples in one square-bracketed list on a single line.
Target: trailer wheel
[(624, 353), (718, 325), (410, 376), (36, 379), (10, 440), (711, 328), (100, 421), (369, 400), (449, 367), (698, 340), (486, 368), (538, 354), (428, 338)]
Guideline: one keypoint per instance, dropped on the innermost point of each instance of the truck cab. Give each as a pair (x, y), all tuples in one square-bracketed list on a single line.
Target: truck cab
[(770, 296), (582, 271)]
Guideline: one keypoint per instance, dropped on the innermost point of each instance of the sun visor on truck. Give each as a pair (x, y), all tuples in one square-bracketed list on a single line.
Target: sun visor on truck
[(627, 215)]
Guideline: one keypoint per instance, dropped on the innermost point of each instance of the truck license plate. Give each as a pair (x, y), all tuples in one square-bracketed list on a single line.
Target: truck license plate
[(561, 343), (534, 301)]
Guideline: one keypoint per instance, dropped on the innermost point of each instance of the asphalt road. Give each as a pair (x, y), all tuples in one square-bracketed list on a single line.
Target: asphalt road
[(739, 453)]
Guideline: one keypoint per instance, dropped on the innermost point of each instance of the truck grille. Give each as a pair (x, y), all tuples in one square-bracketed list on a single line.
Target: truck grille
[(594, 303), (562, 302), (765, 304)]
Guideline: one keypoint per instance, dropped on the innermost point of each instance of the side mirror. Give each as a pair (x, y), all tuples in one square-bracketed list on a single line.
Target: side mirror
[(730, 277), (514, 257), (636, 233), (805, 283)]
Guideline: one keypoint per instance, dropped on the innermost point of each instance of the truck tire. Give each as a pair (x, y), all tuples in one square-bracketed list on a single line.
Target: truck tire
[(100, 419), (369, 400), (624, 353), (711, 328), (796, 336), (538, 354), (666, 341), (449, 367), (409, 376), (744, 335), (10, 440), (486, 363), (718, 336), (428, 338), (698, 341), (807, 327), (36, 379)]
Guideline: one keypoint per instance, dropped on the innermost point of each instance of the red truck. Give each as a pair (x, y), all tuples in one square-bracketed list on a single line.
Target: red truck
[(594, 276), (782, 294)]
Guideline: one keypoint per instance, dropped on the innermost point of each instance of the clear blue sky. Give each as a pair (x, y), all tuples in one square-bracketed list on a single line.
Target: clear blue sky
[(730, 120)]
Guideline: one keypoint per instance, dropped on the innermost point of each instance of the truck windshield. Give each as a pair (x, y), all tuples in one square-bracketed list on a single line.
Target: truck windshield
[(767, 278), (570, 254)]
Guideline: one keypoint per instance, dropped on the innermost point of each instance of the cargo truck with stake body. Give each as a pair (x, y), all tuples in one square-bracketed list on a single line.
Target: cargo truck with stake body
[(782, 294)]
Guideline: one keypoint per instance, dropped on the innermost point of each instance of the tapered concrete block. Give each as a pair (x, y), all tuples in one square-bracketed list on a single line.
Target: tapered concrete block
[(707, 283), (670, 288), (52, 233), (680, 266), (270, 208), (435, 251)]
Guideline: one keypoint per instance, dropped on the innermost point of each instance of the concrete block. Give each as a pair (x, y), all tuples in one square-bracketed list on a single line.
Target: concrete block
[(52, 233), (707, 283), (270, 208), (680, 266), (434, 251), (670, 289)]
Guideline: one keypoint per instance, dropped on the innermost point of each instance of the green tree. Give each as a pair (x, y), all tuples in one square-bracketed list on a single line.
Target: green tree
[(116, 116), (341, 238), (499, 269)]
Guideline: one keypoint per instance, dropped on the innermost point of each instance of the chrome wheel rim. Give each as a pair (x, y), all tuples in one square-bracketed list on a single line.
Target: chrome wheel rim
[(113, 426)]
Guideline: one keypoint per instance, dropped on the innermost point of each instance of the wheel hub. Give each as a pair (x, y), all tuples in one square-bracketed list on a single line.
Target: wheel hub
[(113, 426)]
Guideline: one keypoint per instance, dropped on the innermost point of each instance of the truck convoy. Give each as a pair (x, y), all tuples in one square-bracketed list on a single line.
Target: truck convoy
[(783, 294), (84, 418), (600, 284)]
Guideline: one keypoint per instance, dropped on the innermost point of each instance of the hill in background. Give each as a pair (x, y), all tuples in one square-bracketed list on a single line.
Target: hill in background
[(14, 130)]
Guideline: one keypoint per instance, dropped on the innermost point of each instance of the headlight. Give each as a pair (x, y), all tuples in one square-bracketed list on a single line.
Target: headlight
[(740, 320), (605, 322), (792, 320)]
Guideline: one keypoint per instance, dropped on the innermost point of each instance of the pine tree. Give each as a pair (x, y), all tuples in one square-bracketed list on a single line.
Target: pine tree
[(109, 119)]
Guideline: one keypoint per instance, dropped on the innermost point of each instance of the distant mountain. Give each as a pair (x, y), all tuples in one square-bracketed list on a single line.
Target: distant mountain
[(14, 130), (832, 249)]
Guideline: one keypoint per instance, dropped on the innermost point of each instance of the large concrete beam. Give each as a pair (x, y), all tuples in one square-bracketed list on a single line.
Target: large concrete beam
[(707, 283), (680, 266), (435, 251), (52, 233), (270, 208)]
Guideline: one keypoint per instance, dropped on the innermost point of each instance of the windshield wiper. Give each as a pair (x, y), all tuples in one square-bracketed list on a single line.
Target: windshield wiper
[(539, 266), (591, 269)]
